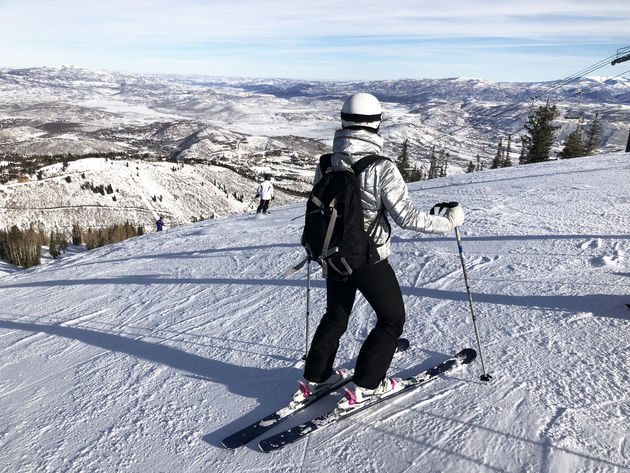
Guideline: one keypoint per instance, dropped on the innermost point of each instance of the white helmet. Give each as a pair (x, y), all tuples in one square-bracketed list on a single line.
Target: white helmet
[(361, 110)]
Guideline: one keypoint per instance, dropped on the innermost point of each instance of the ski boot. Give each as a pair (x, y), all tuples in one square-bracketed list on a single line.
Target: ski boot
[(357, 395), (308, 388)]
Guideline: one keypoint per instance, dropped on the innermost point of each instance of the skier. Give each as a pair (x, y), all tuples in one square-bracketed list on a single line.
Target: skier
[(383, 192), (159, 224), (265, 192)]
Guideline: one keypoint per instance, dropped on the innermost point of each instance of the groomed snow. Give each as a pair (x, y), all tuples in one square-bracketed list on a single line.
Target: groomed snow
[(142, 356)]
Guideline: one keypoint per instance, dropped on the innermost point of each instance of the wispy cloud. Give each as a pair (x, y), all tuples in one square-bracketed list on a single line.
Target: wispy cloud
[(226, 33)]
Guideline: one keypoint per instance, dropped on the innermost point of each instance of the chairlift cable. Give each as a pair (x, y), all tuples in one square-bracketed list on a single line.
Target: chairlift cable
[(573, 77)]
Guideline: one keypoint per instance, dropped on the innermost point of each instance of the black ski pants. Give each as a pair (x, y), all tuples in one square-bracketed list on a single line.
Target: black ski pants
[(263, 206), (379, 286)]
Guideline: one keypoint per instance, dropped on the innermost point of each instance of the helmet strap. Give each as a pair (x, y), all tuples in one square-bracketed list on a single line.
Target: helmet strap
[(366, 128)]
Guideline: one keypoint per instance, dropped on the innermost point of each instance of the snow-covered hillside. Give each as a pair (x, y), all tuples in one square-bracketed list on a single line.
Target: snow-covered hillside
[(141, 356), (251, 127), (98, 192)]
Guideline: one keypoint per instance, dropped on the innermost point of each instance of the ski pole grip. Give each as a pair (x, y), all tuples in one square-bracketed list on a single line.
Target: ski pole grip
[(441, 206)]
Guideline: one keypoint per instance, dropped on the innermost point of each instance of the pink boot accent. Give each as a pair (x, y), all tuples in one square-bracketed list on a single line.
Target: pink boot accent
[(352, 400), (304, 388)]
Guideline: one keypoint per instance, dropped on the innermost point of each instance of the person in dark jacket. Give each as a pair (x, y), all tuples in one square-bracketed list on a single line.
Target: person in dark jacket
[(383, 193), (159, 224)]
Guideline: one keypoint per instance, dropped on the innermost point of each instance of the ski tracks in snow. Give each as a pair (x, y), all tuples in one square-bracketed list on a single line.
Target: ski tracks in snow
[(127, 358)]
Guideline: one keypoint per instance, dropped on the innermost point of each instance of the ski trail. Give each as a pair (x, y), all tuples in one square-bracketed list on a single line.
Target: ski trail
[(546, 441), (305, 451), (55, 375), (450, 437)]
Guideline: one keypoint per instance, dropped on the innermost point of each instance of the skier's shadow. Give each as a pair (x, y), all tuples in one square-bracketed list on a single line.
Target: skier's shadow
[(284, 383), (246, 381)]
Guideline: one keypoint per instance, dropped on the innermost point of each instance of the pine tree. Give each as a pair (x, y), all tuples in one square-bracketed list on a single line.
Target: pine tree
[(433, 166), (507, 162), (471, 167), (574, 146), (498, 157), (541, 134), (445, 156), (403, 161), (416, 174), (479, 164), (522, 157), (592, 136)]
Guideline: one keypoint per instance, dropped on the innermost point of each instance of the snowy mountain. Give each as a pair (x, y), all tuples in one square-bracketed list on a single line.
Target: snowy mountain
[(143, 355), (249, 127), (163, 114)]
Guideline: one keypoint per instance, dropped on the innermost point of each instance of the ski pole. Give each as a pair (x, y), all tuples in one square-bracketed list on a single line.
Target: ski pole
[(485, 376), (308, 304)]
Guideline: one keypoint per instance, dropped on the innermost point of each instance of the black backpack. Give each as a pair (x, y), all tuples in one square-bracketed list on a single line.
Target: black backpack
[(333, 229)]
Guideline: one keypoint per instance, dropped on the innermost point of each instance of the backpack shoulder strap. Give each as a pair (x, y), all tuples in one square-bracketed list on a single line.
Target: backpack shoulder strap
[(325, 162), (362, 164)]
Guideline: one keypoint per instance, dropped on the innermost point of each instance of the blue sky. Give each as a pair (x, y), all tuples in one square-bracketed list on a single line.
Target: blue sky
[(349, 40)]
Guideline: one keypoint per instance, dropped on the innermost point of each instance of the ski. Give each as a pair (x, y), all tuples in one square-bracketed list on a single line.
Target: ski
[(276, 442), (246, 434)]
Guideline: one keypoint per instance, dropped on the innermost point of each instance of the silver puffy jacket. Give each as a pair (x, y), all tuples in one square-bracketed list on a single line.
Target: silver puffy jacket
[(383, 190)]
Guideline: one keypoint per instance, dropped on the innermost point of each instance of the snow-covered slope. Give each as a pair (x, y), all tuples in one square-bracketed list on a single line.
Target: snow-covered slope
[(98, 192), (142, 356)]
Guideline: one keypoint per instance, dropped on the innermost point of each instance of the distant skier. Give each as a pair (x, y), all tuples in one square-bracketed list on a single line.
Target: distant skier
[(265, 192), (159, 224), (383, 191)]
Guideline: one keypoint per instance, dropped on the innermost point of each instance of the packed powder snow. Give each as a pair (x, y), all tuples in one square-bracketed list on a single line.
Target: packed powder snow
[(143, 355)]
